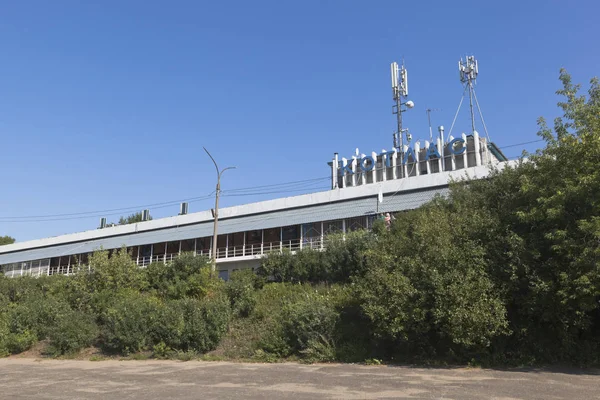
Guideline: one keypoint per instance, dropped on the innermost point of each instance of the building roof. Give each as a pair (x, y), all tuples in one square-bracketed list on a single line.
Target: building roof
[(399, 195)]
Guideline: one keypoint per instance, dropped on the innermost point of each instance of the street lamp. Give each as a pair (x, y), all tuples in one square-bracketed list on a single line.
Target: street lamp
[(216, 212)]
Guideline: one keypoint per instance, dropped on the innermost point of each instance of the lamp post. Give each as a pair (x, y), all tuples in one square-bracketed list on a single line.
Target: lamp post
[(216, 212)]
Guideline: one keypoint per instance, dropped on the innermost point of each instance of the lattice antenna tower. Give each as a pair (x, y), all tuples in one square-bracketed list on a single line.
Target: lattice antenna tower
[(468, 71), (400, 93)]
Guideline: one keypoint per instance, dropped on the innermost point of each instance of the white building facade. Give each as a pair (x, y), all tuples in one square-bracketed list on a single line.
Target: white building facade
[(362, 187)]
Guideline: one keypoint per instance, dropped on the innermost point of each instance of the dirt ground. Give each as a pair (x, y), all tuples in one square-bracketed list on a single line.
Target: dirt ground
[(22, 378)]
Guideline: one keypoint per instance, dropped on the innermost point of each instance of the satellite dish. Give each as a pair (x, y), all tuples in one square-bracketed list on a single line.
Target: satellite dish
[(410, 104)]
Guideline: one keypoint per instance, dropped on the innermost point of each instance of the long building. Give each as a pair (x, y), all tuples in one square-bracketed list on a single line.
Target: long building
[(362, 187)]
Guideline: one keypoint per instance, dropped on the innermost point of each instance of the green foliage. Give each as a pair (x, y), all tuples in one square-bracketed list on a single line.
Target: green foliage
[(343, 258), (241, 289), (167, 325), (6, 240), (161, 350), (427, 284), (187, 276), (129, 322), (4, 334), (308, 326), (298, 321), (206, 321), (132, 218), (548, 220), (19, 342), (110, 273), (36, 314), (72, 332)]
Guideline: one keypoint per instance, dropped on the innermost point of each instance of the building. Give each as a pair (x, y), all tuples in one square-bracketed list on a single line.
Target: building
[(362, 187)]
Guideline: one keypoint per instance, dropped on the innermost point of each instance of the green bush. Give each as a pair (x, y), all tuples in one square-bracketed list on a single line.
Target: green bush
[(297, 320), (72, 332), (128, 323), (168, 325), (4, 333), (186, 276), (36, 314), (427, 291), (342, 258), (19, 342), (206, 321), (241, 289), (308, 326), (110, 272)]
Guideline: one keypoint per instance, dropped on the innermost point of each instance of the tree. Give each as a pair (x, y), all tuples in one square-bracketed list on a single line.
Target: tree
[(540, 223), (6, 240), (132, 219)]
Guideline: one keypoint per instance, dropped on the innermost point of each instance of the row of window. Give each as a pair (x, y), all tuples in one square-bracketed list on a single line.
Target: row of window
[(249, 243)]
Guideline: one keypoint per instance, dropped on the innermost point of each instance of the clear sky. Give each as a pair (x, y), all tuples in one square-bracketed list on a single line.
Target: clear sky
[(107, 104)]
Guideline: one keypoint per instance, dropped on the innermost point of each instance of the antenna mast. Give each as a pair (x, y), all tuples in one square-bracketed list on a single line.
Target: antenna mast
[(400, 92), (468, 75), (468, 71), (428, 111)]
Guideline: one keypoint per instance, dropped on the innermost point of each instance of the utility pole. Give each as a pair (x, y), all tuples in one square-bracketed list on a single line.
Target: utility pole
[(216, 211)]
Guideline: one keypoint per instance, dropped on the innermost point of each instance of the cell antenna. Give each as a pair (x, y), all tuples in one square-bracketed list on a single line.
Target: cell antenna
[(400, 92), (468, 71)]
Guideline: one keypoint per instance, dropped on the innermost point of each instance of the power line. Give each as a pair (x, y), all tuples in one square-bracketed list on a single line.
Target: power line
[(79, 217), (88, 214), (107, 212), (294, 183), (277, 191), (285, 187), (521, 144)]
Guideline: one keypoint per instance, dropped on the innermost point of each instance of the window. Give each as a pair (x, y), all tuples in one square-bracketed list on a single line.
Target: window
[(145, 250), (158, 249), (272, 237), (133, 252), (253, 241), (236, 244), (187, 245), (355, 223), (173, 247), (332, 227), (203, 244), (290, 233)]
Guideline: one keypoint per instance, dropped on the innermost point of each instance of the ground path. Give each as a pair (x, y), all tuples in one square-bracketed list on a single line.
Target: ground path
[(150, 380)]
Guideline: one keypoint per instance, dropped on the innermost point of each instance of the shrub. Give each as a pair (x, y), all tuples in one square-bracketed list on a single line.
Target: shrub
[(72, 332), (206, 321), (298, 320), (186, 276), (4, 332), (116, 272), (168, 325), (241, 289), (36, 314), (308, 326), (19, 342), (427, 292), (342, 257), (128, 323)]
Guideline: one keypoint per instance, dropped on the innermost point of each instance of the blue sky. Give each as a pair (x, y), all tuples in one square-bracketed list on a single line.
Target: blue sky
[(107, 105)]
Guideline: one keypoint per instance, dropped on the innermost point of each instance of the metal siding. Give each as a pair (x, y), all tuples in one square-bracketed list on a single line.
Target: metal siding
[(325, 212)]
